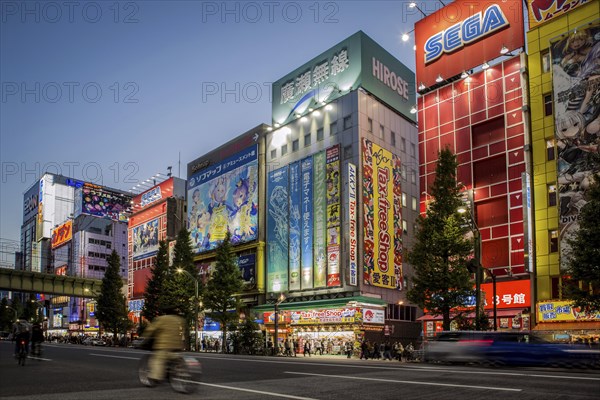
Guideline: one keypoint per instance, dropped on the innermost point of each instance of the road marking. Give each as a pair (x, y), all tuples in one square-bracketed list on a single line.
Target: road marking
[(106, 355), (409, 382), (287, 396), (39, 358)]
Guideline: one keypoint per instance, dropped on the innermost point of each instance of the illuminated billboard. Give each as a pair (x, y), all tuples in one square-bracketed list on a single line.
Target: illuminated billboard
[(576, 84), (465, 34), (541, 11), (278, 230), (101, 202), (224, 197), (382, 216), (62, 234), (333, 185), (145, 239)]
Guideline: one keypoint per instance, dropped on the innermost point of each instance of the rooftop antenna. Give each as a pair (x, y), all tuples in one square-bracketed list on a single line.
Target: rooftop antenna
[(179, 171), (169, 168)]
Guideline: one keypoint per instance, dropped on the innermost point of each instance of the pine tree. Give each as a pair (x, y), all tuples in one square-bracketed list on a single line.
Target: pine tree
[(155, 289), (584, 258), (441, 251), (224, 283), (111, 309)]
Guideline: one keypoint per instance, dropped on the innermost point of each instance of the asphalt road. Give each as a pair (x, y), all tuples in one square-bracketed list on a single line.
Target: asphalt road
[(77, 372)]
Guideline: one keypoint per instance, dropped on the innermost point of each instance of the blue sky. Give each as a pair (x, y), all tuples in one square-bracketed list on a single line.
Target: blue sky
[(112, 92)]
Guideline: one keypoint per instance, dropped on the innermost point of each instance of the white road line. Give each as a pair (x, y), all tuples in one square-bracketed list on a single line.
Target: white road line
[(409, 382), (106, 355), (287, 396), (39, 358)]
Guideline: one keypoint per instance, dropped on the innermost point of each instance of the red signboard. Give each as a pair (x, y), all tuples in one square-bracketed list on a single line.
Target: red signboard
[(153, 195), (465, 34), (509, 294), (62, 234)]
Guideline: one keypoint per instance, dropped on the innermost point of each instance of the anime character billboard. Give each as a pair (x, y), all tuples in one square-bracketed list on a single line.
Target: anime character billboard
[(224, 198), (576, 81), (102, 202), (278, 230), (145, 239)]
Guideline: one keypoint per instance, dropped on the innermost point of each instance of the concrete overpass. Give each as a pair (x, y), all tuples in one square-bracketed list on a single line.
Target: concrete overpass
[(36, 282)]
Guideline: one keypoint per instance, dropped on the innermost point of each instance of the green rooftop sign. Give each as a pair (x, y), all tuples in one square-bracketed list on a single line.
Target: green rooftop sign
[(356, 62)]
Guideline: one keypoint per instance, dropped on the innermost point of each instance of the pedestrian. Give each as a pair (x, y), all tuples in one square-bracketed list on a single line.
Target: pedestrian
[(400, 351), (306, 348), (364, 350), (270, 347), (296, 348), (288, 351), (349, 349), (387, 351), (318, 348)]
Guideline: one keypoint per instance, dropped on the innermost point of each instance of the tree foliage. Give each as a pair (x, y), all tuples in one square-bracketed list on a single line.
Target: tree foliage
[(111, 309), (225, 282), (155, 289), (584, 258), (441, 250)]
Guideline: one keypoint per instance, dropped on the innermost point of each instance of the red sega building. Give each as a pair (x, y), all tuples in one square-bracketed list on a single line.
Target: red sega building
[(158, 214), (471, 74)]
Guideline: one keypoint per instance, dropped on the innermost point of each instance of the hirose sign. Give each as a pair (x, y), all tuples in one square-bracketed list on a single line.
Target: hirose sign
[(465, 34)]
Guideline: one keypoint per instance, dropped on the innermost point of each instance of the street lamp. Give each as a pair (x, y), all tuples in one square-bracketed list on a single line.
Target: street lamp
[(475, 264), (196, 302), (277, 303), (493, 276)]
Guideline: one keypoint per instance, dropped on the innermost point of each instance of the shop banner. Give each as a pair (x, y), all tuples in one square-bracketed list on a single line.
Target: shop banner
[(145, 239), (224, 198), (541, 11), (102, 202), (295, 223), (307, 223), (327, 316), (320, 212), (277, 230), (247, 265), (397, 191), (562, 311), (352, 239), (576, 81), (333, 179), (379, 218), (373, 316)]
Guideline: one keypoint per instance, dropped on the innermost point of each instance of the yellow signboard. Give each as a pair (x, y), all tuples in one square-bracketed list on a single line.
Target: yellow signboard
[(562, 311), (541, 11)]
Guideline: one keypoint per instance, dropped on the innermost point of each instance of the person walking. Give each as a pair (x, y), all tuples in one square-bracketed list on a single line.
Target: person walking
[(306, 348), (387, 351), (318, 348), (349, 349), (364, 350)]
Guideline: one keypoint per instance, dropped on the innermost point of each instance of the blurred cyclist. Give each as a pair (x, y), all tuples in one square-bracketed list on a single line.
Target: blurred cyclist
[(37, 337), (21, 331), (168, 333)]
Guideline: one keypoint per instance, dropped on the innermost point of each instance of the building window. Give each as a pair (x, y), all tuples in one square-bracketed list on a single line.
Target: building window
[(348, 122), (333, 128), (381, 131), (550, 152), (348, 151), (295, 145), (319, 134), (413, 150), (553, 236), (414, 203), (548, 104), (545, 56), (393, 138), (555, 287), (551, 195), (404, 227), (402, 144), (413, 176), (273, 154), (284, 150), (369, 124), (403, 199), (307, 139), (403, 171)]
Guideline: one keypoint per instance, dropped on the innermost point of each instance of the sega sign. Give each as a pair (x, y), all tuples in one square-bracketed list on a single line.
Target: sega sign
[(468, 31), (465, 34)]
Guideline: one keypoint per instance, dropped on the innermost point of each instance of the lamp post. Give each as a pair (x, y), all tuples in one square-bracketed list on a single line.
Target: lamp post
[(475, 265), (277, 303), (196, 303)]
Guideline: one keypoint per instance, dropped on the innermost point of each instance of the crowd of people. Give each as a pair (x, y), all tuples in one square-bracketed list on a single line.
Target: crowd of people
[(387, 351)]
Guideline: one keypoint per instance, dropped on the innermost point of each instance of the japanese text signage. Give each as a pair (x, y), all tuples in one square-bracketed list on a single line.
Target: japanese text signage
[(62, 234), (541, 11), (511, 294), (464, 34), (352, 228), (563, 311)]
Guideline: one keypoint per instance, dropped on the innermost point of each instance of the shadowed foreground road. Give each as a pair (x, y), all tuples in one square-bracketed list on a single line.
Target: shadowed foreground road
[(78, 372)]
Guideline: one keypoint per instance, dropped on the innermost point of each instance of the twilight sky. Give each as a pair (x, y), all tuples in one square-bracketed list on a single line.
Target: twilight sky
[(111, 92)]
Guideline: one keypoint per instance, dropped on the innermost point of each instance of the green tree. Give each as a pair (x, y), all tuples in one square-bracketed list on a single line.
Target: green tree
[(7, 315), (155, 289), (111, 309), (582, 284), (179, 288), (225, 282), (441, 250)]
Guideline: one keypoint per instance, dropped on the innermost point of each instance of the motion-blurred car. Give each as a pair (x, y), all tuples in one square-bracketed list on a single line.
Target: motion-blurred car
[(507, 348), (90, 341)]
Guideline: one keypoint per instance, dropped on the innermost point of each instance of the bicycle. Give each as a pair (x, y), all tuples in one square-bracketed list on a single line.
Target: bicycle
[(183, 373), (22, 354)]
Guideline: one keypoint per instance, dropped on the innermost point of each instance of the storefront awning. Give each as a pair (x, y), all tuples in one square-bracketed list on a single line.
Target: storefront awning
[(326, 303)]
